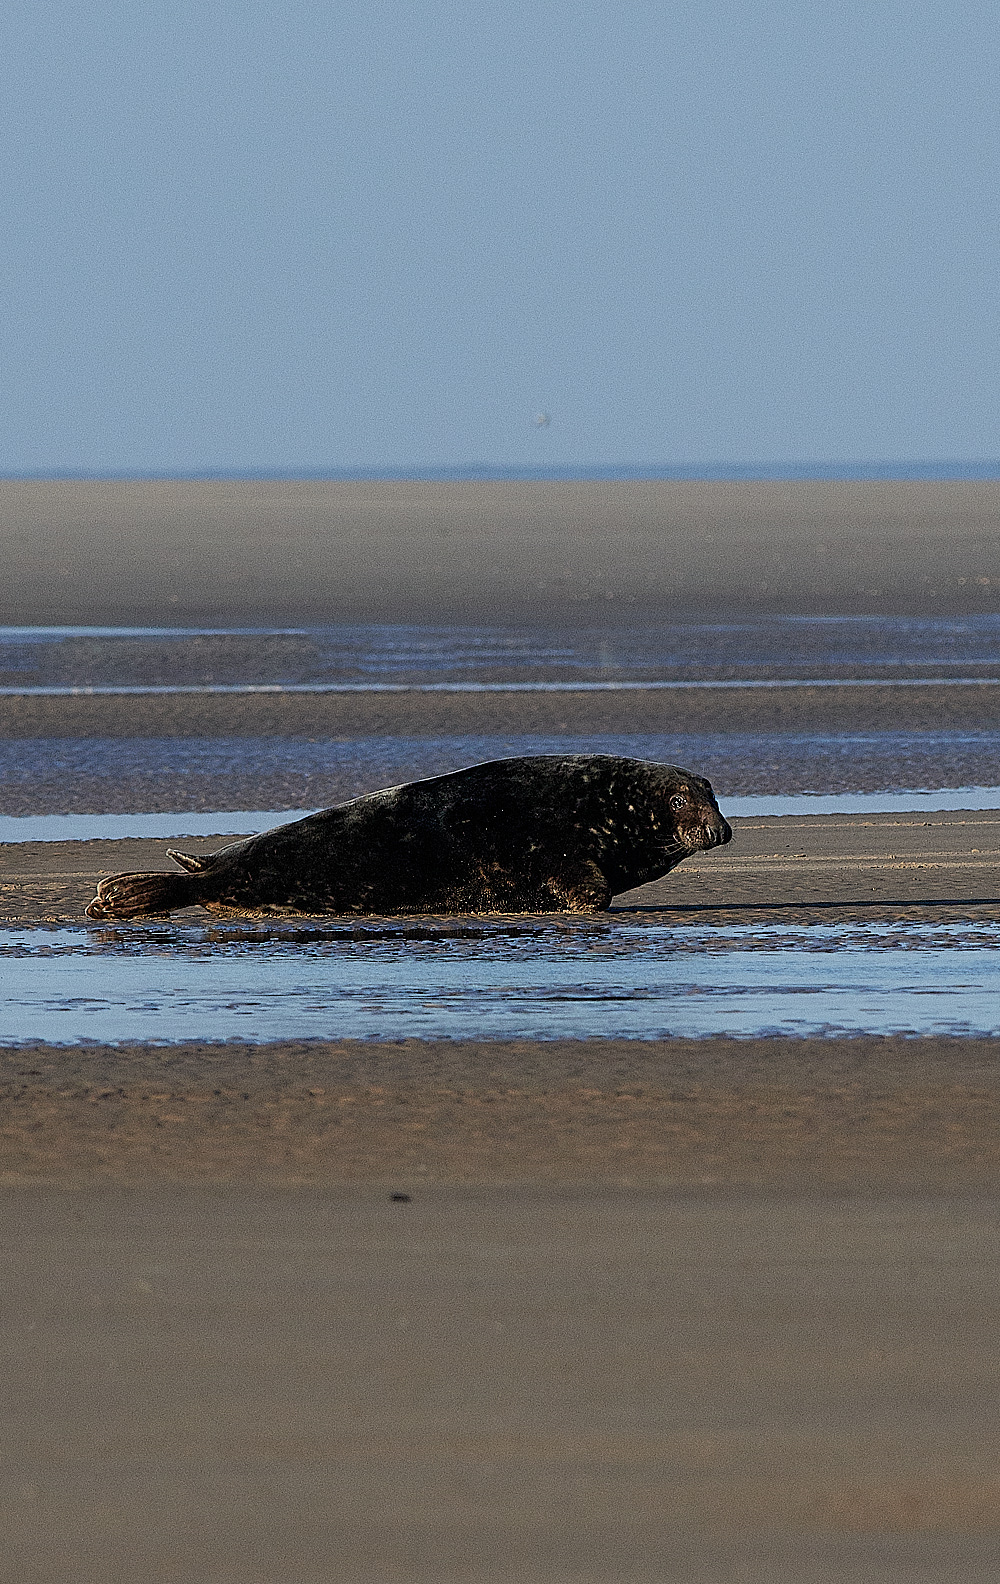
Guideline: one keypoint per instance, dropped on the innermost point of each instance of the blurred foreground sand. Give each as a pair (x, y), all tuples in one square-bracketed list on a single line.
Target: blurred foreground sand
[(499, 1385)]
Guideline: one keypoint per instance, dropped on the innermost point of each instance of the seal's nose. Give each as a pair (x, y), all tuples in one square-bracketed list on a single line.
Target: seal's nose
[(718, 830)]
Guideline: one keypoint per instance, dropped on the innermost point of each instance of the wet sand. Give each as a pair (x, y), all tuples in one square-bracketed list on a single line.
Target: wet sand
[(801, 1115), (429, 715), (693, 1310)]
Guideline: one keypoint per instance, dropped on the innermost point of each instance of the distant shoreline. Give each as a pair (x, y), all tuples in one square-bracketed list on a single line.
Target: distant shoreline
[(815, 471)]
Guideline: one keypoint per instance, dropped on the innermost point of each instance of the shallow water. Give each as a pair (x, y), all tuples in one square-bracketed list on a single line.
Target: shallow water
[(761, 650), (488, 980), (44, 776), (658, 686), (78, 775)]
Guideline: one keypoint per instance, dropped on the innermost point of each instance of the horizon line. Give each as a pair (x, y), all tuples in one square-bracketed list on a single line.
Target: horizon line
[(708, 472)]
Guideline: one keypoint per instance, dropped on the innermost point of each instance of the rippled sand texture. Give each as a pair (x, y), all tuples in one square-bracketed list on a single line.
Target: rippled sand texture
[(799, 1115)]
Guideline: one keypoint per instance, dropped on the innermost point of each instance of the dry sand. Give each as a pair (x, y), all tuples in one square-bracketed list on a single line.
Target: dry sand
[(689, 1310), (243, 553)]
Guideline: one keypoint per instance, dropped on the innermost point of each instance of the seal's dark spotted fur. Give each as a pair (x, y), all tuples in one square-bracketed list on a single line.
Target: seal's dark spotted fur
[(535, 835)]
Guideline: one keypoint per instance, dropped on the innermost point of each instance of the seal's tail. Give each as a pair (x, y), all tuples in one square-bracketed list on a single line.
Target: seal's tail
[(124, 896)]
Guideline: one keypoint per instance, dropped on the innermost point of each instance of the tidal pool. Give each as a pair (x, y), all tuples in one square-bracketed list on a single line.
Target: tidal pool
[(495, 980)]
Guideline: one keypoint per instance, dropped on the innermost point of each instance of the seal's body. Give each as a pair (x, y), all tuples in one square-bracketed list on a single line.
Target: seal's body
[(535, 835)]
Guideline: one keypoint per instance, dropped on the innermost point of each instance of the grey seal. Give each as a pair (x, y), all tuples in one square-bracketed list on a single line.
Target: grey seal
[(542, 834)]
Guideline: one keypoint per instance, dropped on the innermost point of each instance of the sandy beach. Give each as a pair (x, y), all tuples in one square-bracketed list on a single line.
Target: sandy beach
[(654, 1309), (243, 554), (499, 1383)]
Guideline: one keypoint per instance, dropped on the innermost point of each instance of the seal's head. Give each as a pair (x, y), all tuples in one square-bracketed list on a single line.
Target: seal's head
[(694, 813)]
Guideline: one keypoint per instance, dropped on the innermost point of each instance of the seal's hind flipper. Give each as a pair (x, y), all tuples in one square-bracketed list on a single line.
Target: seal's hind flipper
[(124, 896), (188, 861)]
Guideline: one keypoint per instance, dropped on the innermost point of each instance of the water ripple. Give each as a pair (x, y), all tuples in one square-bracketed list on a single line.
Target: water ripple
[(511, 979)]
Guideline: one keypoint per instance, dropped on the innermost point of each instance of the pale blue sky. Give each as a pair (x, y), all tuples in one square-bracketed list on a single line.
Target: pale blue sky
[(322, 235)]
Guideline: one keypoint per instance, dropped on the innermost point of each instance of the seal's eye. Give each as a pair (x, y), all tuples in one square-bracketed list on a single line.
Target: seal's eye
[(679, 800)]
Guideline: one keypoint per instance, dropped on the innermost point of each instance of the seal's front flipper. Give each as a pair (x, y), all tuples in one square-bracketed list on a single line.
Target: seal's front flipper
[(132, 895), (189, 861), (581, 889)]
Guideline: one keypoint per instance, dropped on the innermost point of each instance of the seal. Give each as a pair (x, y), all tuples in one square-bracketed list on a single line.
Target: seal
[(544, 834)]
